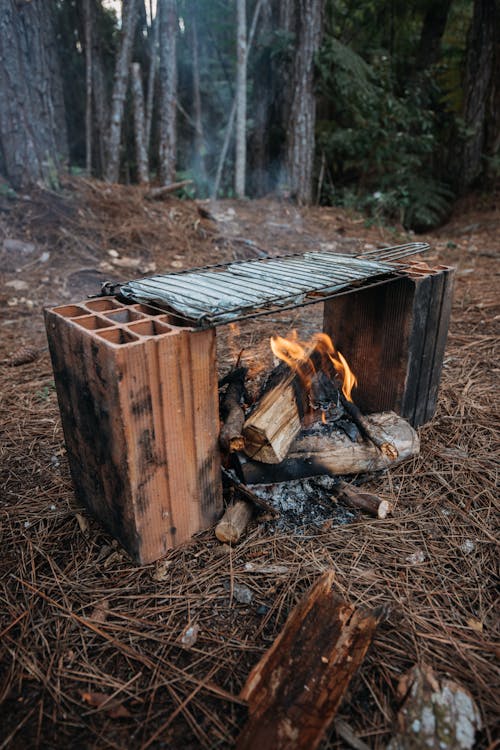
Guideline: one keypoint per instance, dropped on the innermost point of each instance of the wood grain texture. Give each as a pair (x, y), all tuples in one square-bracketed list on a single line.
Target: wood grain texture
[(140, 417), (296, 688)]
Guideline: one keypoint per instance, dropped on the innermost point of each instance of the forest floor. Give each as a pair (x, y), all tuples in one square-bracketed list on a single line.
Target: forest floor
[(91, 645)]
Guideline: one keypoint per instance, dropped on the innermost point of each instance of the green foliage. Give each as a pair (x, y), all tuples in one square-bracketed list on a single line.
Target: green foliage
[(381, 140)]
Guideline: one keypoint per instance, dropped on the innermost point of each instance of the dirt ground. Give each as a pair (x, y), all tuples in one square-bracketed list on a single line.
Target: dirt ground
[(93, 651)]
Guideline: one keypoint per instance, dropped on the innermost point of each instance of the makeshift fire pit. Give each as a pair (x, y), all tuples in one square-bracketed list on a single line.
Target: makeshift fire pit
[(136, 377)]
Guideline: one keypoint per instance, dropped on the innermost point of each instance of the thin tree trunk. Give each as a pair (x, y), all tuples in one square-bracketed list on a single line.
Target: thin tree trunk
[(435, 19), (123, 60), (168, 90), (199, 139), (230, 124), (140, 134), (300, 137), (88, 86), (478, 84), (241, 99), (151, 77)]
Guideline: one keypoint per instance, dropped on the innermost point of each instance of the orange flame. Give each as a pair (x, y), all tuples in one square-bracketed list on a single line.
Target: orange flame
[(302, 357)]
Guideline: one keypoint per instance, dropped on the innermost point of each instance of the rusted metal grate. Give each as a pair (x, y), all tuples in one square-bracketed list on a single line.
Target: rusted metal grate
[(228, 292)]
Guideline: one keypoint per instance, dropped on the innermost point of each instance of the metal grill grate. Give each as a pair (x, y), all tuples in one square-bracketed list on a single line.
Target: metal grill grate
[(224, 293)]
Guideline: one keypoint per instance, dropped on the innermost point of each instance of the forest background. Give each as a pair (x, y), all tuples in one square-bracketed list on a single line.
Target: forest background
[(381, 105)]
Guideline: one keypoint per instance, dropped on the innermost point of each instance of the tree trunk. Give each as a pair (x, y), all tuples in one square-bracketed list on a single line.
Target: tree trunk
[(241, 99), (88, 86), (33, 143), (478, 85), (435, 19), (199, 139), (140, 132), (168, 89), (123, 60), (300, 136), (151, 77)]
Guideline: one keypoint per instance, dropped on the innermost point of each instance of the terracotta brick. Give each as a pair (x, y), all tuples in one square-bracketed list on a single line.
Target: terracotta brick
[(139, 408)]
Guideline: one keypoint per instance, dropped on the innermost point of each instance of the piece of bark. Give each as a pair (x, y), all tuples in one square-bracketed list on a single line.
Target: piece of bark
[(293, 693), (364, 501), (234, 522), (158, 193), (274, 423), (312, 454), (232, 412)]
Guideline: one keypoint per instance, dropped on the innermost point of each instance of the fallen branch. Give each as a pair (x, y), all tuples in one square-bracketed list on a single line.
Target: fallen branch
[(158, 193), (232, 412), (294, 692)]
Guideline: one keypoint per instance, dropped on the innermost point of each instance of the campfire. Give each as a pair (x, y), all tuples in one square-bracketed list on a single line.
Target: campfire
[(147, 427)]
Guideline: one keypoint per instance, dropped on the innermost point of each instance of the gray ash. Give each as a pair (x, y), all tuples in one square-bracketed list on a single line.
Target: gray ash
[(303, 503)]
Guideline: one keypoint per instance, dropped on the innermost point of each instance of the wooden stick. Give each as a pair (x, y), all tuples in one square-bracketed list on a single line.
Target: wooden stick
[(364, 500), (247, 494), (234, 522), (388, 449), (294, 691)]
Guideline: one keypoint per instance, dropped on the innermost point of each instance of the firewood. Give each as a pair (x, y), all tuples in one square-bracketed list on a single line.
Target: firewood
[(272, 426), (367, 430), (294, 691), (364, 500), (232, 412), (234, 522), (335, 454)]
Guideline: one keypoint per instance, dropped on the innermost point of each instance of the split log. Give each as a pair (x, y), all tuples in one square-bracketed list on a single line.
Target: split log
[(295, 690), (366, 501), (272, 426), (232, 412), (158, 193), (234, 522), (312, 454)]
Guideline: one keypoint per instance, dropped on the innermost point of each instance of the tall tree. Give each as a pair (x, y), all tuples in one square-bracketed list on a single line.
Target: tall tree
[(300, 136), (479, 85), (33, 142), (199, 137), (130, 10), (139, 125), (168, 89), (87, 16), (241, 99), (432, 32)]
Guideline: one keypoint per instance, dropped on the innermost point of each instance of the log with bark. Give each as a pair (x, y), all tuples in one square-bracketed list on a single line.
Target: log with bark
[(294, 691), (234, 522), (232, 412), (313, 453), (366, 501)]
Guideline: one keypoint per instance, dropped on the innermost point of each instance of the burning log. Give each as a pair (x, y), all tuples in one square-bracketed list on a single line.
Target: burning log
[(234, 522), (366, 428), (364, 501), (295, 690), (314, 453), (232, 412), (270, 429)]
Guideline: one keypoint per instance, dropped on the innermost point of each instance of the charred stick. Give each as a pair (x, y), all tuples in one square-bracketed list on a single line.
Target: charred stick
[(247, 493), (232, 412), (364, 501), (366, 429)]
